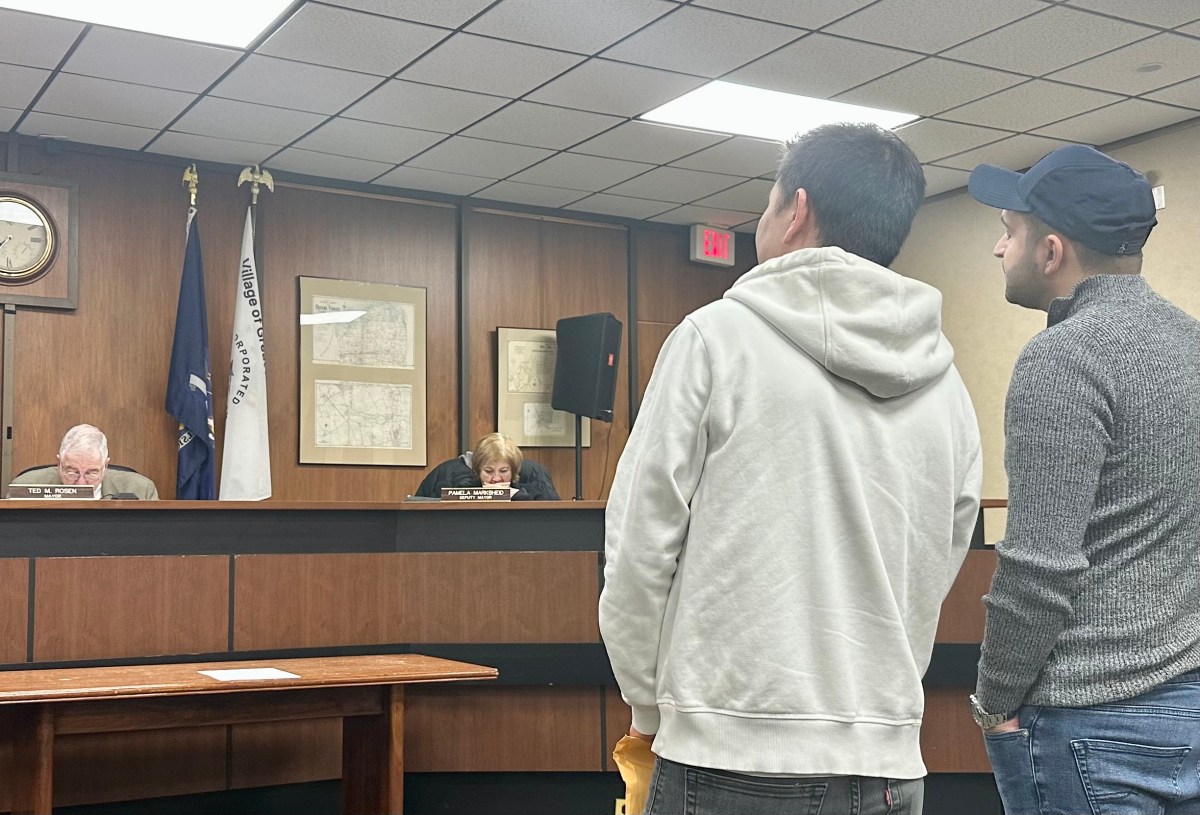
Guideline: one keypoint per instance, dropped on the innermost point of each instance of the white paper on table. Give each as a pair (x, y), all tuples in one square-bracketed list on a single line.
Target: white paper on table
[(239, 674)]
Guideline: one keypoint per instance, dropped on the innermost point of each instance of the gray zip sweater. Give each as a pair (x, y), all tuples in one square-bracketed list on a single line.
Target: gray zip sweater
[(1096, 597)]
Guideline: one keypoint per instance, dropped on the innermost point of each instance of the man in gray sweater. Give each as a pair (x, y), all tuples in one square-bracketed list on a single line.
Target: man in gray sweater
[(1089, 682)]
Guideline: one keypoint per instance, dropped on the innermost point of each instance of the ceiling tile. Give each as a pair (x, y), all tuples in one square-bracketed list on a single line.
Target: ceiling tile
[(511, 69), (926, 25), (583, 26), (147, 59), (726, 219), (741, 155), (1185, 94), (800, 13), (749, 197), (614, 87), (1116, 122), (8, 118), (107, 101), (244, 121), (1016, 153), (447, 13), (675, 184), (531, 194), (1193, 29), (309, 162), (19, 84), (414, 178), (821, 66), (541, 125), (1165, 13), (1049, 40), (1178, 58), (478, 157), (426, 107), (643, 141), (205, 148), (622, 207), (701, 42), (576, 172), (34, 40), (930, 86), (944, 179), (369, 140), (932, 139), (750, 227), (297, 85), (86, 131), (341, 38), (1031, 105)]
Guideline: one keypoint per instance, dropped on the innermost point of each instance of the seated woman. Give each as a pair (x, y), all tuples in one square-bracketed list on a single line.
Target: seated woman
[(496, 459)]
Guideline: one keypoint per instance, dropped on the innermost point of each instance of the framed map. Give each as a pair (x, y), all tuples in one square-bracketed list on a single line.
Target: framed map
[(362, 373), (524, 384)]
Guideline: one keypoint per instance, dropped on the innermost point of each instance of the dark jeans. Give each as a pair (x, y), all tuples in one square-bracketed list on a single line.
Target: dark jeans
[(677, 789), (1137, 756)]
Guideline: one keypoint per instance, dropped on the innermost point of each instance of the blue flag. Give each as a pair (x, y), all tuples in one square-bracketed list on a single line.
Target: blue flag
[(189, 385)]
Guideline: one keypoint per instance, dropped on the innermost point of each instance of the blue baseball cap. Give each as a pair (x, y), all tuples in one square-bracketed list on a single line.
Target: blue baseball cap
[(1080, 192)]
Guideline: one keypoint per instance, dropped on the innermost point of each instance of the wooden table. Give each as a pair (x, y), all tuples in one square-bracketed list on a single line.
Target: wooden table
[(366, 692)]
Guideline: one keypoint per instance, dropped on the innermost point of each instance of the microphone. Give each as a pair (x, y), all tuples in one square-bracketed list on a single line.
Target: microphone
[(120, 496)]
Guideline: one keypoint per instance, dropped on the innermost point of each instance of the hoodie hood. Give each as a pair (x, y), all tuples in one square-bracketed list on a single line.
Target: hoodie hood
[(861, 321)]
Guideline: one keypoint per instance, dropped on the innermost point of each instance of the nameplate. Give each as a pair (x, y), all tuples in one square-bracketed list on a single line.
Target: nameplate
[(477, 493), (60, 491)]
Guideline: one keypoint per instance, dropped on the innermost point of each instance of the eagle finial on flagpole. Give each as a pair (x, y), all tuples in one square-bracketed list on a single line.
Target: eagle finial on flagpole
[(191, 180), (256, 176)]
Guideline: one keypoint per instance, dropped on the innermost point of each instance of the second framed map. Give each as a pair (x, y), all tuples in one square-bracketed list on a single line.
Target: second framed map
[(524, 384), (362, 373)]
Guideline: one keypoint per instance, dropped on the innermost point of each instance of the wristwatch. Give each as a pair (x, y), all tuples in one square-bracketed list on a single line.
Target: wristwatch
[(984, 719)]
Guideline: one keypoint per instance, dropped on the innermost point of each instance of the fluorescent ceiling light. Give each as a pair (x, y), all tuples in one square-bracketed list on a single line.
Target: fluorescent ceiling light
[(326, 317), (221, 22), (746, 111)]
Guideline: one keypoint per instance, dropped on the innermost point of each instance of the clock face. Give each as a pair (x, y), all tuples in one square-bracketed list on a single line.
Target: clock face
[(26, 239)]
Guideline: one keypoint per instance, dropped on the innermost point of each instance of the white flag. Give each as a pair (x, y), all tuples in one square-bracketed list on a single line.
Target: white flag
[(246, 465)]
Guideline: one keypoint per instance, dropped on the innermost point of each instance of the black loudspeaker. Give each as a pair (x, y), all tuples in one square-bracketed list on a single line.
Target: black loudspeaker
[(585, 375)]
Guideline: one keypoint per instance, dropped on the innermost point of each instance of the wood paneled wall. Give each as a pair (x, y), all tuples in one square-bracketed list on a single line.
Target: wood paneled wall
[(528, 272), (14, 609), (326, 234), (669, 287), (106, 363)]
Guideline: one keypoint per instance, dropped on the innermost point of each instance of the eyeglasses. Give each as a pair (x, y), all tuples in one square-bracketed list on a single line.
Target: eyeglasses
[(73, 476)]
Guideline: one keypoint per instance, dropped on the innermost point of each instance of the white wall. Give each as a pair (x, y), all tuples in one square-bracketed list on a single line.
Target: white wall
[(951, 248)]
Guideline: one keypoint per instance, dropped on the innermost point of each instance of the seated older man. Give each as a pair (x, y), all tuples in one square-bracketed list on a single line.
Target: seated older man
[(83, 459)]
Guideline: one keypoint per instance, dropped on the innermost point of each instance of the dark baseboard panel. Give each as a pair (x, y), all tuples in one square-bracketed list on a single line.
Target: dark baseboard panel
[(494, 794), (584, 663)]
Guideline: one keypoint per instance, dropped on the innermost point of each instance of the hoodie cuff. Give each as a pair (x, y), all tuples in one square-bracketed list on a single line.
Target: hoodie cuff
[(645, 719)]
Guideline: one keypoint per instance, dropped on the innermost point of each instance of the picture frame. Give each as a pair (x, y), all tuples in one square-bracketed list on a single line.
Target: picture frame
[(363, 379), (525, 359)]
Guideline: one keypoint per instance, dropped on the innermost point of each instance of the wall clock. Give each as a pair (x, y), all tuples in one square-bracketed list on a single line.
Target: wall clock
[(29, 238), (39, 258)]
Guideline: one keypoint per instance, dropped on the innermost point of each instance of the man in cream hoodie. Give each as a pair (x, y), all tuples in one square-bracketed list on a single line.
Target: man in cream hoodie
[(792, 506)]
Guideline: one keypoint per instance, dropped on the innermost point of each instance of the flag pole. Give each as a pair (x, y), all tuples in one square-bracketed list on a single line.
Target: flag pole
[(191, 180), (189, 380), (256, 176), (246, 469)]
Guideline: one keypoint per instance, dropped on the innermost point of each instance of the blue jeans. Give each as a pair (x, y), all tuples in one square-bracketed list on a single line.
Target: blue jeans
[(677, 789), (1137, 756)]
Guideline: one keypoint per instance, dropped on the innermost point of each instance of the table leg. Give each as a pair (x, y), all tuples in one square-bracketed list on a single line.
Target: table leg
[(373, 759), (33, 759)]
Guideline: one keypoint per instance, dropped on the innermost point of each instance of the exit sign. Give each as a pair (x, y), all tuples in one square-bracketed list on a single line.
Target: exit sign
[(711, 245)]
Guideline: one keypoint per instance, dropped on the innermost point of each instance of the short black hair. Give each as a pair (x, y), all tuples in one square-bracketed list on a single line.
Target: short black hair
[(863, 183)]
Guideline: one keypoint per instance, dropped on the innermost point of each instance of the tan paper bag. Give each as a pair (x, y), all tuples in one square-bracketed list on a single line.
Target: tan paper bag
[(636, 763)]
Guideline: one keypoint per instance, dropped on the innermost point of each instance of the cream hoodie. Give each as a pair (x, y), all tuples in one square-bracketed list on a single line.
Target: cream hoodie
[(792, 506)]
